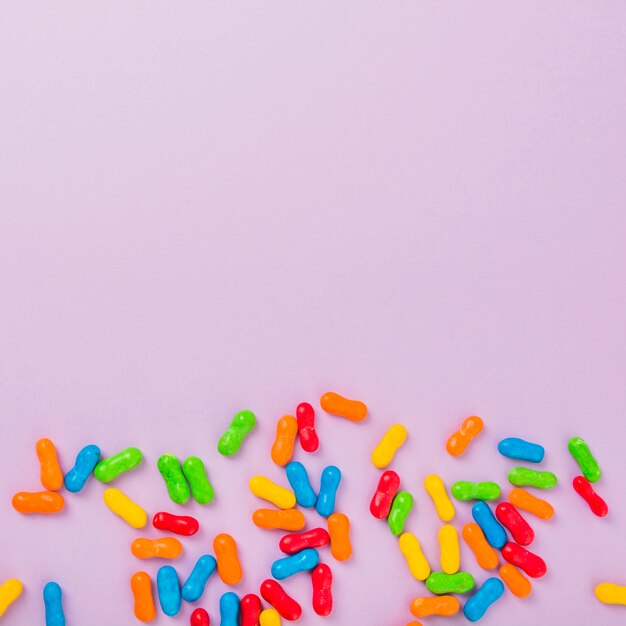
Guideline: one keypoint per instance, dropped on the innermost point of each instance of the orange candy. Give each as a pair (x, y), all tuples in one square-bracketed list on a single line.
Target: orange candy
[(354, 410), (286, 434), (527, 502), (339, 531), (51, 474), (45, 502), (141, 586), (516, 581), (414, 623), (485, 555), (288, 519), (163, 548), (438, 605), (228, 565), (459, 440)]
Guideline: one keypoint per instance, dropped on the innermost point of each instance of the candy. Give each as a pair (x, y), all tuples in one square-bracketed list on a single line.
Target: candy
[(610, 593), (250, 607), (400, 509), (388, 446), (531, 504), (110, 468), (264, 488), (286, 433), (303, 561), (228, 565), (494, 533), (450, 554), (44, 502), (168, 588), (322, 581), (53, 603), (339, 531), (163, 548), (458, 441), (229, 609), (195, 473), (86, 461), (177, 524), (272, 592), (436, 489), (584, 489), (241, 426), (50, 470), (194, 586), (200, 617), (415, 559), (329, 483), (464, 491), (440, 583), (305, 414), (269, 617), (514, 448), (10, 591), (172, 472), (524, 477), (517, 583), (289, 519), (333, 403), (582, 455), (315, 538), (388, 486), (511, 519), (532, 564), (141, 586), (446, 606), (299, 481), (125, 508), (486, 556), (491, 591)]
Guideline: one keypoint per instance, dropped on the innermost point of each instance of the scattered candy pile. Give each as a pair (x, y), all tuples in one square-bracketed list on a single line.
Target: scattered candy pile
[(488, 535)]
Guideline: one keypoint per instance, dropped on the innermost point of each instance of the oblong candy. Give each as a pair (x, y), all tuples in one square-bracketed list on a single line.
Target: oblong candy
[(240, 427), (10, 591), (250, 607), (446, 606), (514, 448), (125, 508), (512, 520), (400, 509), (200, 617), (229, 609), (450, 554), (272, 592), (415, 558), (86, 461), (42, 502), (391, 442), (53, 604), (178, 524), (329, 483), (524, 477), (143, 605), (303, 561), (314, 538), (305, 414), (579, 449), (524, 500), (285, 441), (228, 564), (476, 607), (388, 486), (333, 403), (458, 441), (322, 581), (287, 519), (610, 593), (464, 490), (110, 468), (485, 555), (299, 481), (517, 583), (195, 584), (584, 489), (163, 548), (436, 489), (264, 488), (168, 588), (195, 473), (440, 582), (527, 561), (172, 472), (50, 471), (339, 531), (494, 533)]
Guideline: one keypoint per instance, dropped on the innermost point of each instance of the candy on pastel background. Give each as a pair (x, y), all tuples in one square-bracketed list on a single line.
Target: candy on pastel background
[(163, 548), (86, 461), (436, 489), (285, 441), (125, 508), (486, 556), (458, 441), (250, 607), (172, 472), (524, 477), (610, 593), (305, 415), (195, 473), (514, 448), (322, 582), (524, 500), (442, 583), (53, 604), (200, 617), (228, 565), (333, 403), (579, 449), (584, 489), (42, 502), (177, 524), (400, 509), (415, 558), (519, 556), (388, 446), (303, 561), (168, 587), (143, 601), (299, 481), (229, 609), (494, 532), (513, 521), (264, 488), (329, 483), (50, 471), (339, 531), (272, 592), (10, 591), (239, 428), (445, 606), (269, 617), (490, 591), (314, 538), (386, 491), (464, 490), (517, 583), (449, 550), (281, 519), (110, 468), (195, 584)]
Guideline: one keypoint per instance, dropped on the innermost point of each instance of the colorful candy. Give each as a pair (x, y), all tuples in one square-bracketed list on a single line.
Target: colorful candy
[(436, 489), (517, 583), (86, 461), (445, 606), (272, 592), (329, 483), (299, 482), (388, 446), (512, 520), (458, 441), (531, 504), (125, 508), (10, 591), (582, 455), (228, 565), (532, 564), (476, 607), (486, 556), (194, 586), (43, 502), (524, 477), (163, 548), (250, 607), (269, 617), (388, 486), (305, 414), (463, 490), (270, 519), (412, 551), (50, 470), (264, 488), (286, 433), (200, 617), (53, 604), (172, 472), (315, 538), (195, 473), (494, 533), (229, 609), (240, 427), (514, 448), (110, 468), (177, 524), (322, 581), (400, 509), (333, 403), (141, 587), (442, 583), (168, 588), (584, 489), (450, 553), (303, 561), (610, 593), (339, 531)]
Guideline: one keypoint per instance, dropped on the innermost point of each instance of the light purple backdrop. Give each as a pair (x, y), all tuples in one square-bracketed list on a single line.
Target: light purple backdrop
[(212, 206)]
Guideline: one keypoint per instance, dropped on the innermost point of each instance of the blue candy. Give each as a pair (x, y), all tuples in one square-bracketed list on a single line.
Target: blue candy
[(200, 574), (229, 609), (86, 460), (515, 448), (303, 561), (53, 602), (491, 527), (169, 590), (329, 483), (299, 481), (478, 604)]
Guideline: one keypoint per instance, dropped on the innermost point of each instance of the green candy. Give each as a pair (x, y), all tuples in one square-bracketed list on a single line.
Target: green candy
[(440, 583), (464, 490), (172, 473), (110, 468), (524, 477), (231, 440), (201, 488), (400, 509), (582, 455)]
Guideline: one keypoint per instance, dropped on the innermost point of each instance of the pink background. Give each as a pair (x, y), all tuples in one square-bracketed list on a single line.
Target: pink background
[(214, 206)]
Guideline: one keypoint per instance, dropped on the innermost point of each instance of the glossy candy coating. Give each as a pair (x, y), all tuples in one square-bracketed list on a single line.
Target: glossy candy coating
[(464, 490), (177, 524), (322, 581), (458, 441), (195, 584), (517, 583), (517, 555), (514, 448), (449, 550), (86, 461), (388, 446), (250, 607), (333, 403), (10, 591), (524, 477), (229, 609), (200, 617), (303, 561), (42, 502), (285, 440), (314, 538), (524, 500), (584, 489), (436, 489), (299, 481), (240, 427), (582, 455), (339, 531), (446, 606), (329, 483), (125, 508), (50, 471), (476, 607), (415, 558), (264, 488), (195, 473), (110, 468), (494, 533), (386, 491), (271, 519), (272, 592), (163, 548), (486, 556), (172, 472), (400, 509), (305, 415), (168, 588), (228, 565), (440, 583), (143, 605), (269, 617), (513, 521), (610, 593), (53, 604)]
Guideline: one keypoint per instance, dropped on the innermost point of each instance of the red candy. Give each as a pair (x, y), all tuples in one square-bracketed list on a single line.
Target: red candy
[(200, 618), (532, 564), (322, 579), (177, 524), (388, 486), (510, 517), (315, 538), (305, 414), (584, 489), (273, 593), (250, 610)]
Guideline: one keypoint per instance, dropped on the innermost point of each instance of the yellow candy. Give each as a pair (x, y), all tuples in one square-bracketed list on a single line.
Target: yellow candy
[(269, 617), (384, 452), (610, 593), (450, 553), (437, 491), (265, 489), (123, 506), (9, 592), (412, 551)]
